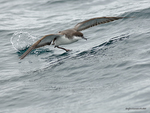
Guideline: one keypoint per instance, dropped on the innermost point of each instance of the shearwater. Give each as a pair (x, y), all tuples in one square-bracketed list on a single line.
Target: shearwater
[(70, 35)]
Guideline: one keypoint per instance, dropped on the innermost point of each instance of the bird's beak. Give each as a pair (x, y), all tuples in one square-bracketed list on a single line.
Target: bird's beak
[(84, 38)]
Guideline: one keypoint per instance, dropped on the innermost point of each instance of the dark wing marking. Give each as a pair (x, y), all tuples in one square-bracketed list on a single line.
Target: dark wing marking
[(94, 21), (46, 40)]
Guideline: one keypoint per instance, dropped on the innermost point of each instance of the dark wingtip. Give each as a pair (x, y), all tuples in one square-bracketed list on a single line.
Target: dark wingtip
[(26, 53)]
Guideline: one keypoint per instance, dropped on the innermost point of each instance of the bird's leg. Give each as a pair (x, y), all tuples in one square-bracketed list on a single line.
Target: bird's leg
[(54, 41), (63, 48)]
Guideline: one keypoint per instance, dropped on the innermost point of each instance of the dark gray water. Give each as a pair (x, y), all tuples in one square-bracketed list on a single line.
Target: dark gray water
[(108, 73)]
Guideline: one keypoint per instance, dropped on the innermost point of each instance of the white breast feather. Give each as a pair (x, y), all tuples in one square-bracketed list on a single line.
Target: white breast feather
[(63, 40)]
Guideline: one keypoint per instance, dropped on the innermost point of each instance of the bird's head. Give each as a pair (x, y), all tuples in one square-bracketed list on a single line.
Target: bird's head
[(79, 34)]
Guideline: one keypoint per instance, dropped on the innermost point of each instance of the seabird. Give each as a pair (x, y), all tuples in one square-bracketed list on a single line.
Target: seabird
[(70, 35)]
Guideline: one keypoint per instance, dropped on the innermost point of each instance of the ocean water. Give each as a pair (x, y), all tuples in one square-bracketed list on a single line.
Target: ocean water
[(108, 73)]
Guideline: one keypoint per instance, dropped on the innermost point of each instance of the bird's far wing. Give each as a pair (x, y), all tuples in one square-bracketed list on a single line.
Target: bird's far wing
[(46, 40), (94, 21)]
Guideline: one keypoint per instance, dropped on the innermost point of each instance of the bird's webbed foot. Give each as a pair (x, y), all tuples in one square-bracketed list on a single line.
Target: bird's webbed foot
[(63, 48)]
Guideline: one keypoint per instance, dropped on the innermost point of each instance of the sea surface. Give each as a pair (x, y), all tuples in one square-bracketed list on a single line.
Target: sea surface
[(108, 73)]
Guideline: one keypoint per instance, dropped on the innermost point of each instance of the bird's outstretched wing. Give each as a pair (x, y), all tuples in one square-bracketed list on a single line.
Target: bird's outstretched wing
[(46, 40), (94, 21)]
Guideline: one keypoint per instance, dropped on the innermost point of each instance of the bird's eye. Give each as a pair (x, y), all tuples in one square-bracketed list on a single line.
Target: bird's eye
[(59, 31)]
